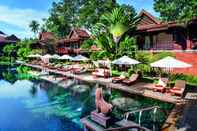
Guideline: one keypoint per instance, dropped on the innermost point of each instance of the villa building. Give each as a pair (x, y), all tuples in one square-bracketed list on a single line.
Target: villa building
[(180, 38), (154, 34), (5, 40), (45, 39), (72, 44)]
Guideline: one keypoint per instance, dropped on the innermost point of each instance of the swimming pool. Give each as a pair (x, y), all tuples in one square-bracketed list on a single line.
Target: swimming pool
[(37, 105)]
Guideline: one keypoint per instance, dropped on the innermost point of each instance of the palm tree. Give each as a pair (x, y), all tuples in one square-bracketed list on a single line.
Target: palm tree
[(117, 23), (34, 25)]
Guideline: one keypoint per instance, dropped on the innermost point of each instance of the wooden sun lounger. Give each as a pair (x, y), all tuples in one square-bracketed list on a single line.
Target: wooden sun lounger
[(118, 79), (131, 80), (161, 86), (101, 72), (178, 88)]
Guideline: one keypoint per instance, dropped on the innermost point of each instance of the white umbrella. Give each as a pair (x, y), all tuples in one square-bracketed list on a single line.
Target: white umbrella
[(125, 60), (55, 56), (80, 58), (34, 56), (47, 56), (170, 62), (65, 57)]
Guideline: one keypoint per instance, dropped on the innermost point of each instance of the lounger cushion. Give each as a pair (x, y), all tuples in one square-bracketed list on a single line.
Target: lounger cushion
[(176, 88)]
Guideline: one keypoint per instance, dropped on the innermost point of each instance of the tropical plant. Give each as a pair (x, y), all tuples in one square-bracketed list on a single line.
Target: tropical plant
[(127, 47), (9, 50), (34, 25), (24, 48), (87, 44), (105, 41), (23, 53), (117, 23)]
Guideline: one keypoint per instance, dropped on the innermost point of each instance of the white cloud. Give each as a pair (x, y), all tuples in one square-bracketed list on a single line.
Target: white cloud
[(21, 17)]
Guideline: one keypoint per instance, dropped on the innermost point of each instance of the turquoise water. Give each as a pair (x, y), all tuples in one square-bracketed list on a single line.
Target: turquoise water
[(36, 105)]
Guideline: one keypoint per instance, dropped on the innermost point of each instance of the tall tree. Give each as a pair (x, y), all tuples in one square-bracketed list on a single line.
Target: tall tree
[(76, 13), (171, 10), (91, 11), (34, 25)]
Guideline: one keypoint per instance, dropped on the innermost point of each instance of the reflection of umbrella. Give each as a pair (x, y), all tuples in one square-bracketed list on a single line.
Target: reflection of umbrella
[(170, 62), (125, 60), (34, 56), (125, 103), (80, 58), (65, 57)]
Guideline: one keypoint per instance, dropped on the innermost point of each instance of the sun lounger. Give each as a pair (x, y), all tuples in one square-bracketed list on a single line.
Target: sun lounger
[(79, 71), (131, 80), (118, 79), (161, 85), (179, 88), (101, 72)]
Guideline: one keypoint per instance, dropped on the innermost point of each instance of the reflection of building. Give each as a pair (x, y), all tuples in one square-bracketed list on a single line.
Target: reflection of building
[(5, 40), (72, 44), (153, 34)]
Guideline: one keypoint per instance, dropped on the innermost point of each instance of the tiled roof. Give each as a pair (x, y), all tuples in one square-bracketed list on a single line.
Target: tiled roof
[(46, 35), (2, 33), (12, 38), (81, 33), (155, 25)]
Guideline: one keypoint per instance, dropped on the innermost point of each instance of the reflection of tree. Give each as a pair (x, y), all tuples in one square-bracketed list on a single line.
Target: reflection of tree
[(9, 76), (34, 90), (23, 72)]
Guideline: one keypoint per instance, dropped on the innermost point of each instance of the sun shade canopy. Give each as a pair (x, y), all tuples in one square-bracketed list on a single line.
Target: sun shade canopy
[(80, 58), (125, 60), (170, 62)]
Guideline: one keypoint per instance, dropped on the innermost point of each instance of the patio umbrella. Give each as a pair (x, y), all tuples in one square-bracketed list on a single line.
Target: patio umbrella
[(170, 63), (34, 56), (65, 57), (80, 58), (47, 56), (55, 56), (125, 60)]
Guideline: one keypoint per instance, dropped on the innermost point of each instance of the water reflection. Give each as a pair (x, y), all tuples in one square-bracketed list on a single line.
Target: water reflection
[(38, 105)]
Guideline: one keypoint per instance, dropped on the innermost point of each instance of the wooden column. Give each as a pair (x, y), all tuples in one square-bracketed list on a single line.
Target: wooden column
[(189, 44)]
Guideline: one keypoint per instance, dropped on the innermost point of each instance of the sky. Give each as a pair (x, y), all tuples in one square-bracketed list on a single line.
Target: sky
[(17, 14)]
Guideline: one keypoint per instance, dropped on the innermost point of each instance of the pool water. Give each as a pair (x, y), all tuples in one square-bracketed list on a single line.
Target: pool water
[(37, 105)]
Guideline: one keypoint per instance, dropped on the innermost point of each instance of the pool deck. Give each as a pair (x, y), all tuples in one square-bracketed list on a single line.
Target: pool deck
[(139, 88)]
